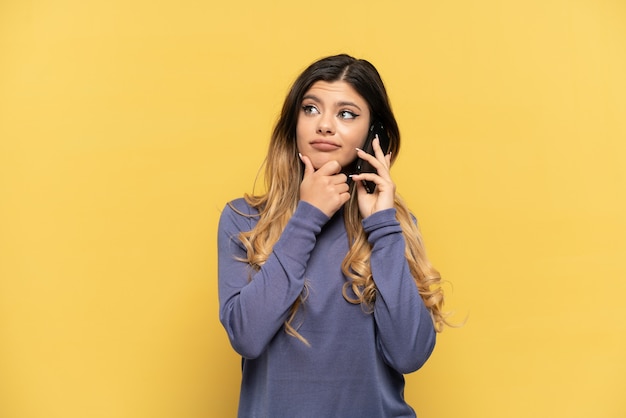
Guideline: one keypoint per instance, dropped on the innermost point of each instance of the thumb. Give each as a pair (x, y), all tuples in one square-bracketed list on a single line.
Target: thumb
[(308, 165)]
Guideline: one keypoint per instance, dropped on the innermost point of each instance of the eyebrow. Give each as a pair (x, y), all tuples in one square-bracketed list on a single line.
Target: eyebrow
[(339, 104)]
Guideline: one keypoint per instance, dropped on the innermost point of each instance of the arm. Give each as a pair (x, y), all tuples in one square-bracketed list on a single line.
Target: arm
[(405, 331), (253, 311)]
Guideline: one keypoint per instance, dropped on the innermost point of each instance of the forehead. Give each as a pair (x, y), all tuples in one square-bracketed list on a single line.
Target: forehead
[(335, 90)]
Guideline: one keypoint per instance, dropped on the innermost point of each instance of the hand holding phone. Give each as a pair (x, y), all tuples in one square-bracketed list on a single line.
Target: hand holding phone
[(362, 166)]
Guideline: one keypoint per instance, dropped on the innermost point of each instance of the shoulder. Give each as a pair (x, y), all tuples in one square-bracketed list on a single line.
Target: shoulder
[(242, 207), (238, 215)]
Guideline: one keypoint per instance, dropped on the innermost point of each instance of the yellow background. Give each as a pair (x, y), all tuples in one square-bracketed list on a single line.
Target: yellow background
[(125, 126)]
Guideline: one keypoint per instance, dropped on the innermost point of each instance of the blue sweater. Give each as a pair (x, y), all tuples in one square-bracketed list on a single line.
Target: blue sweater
[(356, 360)]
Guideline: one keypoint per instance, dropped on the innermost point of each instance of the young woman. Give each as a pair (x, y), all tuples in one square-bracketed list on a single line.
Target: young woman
[(325, 290)]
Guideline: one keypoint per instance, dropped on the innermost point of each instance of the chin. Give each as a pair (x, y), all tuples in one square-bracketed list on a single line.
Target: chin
[(318, 165), (319, 160)]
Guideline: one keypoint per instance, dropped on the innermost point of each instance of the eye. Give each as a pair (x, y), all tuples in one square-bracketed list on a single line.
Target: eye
[(346, 114), (310, 110)]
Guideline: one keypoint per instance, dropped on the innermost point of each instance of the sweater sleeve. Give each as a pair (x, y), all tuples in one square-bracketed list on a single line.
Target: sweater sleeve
[(255, 304), (405, 331)]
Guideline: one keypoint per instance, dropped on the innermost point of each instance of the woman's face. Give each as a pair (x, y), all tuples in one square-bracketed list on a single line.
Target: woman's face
[(333, 121)]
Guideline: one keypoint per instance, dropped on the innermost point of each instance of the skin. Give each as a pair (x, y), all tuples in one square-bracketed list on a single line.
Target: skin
[(332, 124)]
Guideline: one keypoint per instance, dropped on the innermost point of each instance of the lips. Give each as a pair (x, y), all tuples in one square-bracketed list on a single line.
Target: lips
[(323, 145)]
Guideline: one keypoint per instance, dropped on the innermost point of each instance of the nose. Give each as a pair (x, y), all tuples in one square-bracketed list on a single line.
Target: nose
[(325, 125)]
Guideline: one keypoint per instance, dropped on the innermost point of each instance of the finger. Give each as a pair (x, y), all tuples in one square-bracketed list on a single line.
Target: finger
[(360, 188), (375, 162), (378, 151), (344, 197), (388, 159), (330, 168), (308, 165), (342, 188), (373, 177), (339, 178), (367, 176)]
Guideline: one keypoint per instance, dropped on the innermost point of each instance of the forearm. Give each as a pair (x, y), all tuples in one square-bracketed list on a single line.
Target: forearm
[(252, 311), (405, 332)]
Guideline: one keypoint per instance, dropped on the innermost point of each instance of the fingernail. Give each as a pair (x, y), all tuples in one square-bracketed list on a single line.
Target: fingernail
[(359, 149), (300, 155)]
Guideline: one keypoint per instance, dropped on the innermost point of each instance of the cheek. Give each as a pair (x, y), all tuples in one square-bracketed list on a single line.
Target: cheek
[(356, 137), (299, 140), (300, 130), (305, 129)]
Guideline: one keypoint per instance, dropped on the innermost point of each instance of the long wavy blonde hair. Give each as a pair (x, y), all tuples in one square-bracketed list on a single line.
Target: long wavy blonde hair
[(284, 172)]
